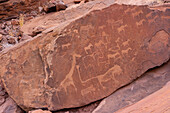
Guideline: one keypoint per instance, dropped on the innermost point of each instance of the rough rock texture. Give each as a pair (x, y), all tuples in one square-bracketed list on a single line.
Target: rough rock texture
[(10, 107), (140, 2), (53, 5), (157, 102), (148, 83), (87, 59), (49, 22), (12, 8), (84, 109), (7, 105)]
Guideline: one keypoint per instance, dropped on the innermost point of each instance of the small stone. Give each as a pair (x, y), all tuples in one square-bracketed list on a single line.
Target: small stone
[(3, 26), (8, 23), (1, 47), (39, 111), (53, 6), (77, 1), (14, 22), (0, 37), (87, 1), (40, 9), (2, 100), (33, 13), (60, 6), (2, 93), (4, 40), (11, 40)]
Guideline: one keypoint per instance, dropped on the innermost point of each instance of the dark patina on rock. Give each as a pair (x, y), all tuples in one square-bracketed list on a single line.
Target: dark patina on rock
[(87, 59)]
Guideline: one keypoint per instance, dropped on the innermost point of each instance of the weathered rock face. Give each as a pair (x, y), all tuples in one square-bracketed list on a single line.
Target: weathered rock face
[(156, 103), (49, 22), (12, 8), (7, 105), (148, 83), (87, 59)]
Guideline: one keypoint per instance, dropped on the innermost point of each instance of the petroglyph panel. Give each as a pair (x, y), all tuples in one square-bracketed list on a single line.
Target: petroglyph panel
[(112, 55), (90, 58)]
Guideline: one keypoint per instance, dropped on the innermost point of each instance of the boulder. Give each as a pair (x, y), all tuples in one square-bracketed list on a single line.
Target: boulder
[(157, 102), (87, 58), (148, 83), (39, 111), (7, 105), (53, 5)]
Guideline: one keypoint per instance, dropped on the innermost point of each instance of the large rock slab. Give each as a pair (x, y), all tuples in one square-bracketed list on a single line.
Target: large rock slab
[(7, 105), (156, 103), (86, 59), (148, 83)]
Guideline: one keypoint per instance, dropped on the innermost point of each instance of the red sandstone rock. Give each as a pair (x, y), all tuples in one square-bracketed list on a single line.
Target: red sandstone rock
[(157, 102), (11, 40), (12, 8), (7, 105), (86, 59), (53, 5), (51, 21), (150, 82)]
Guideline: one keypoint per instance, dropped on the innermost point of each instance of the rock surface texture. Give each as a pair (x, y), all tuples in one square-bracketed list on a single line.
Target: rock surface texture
[(140, 2), (10, 9), (7, 105), (157, 102), (149, 82), (49, 22), (86, 59)]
